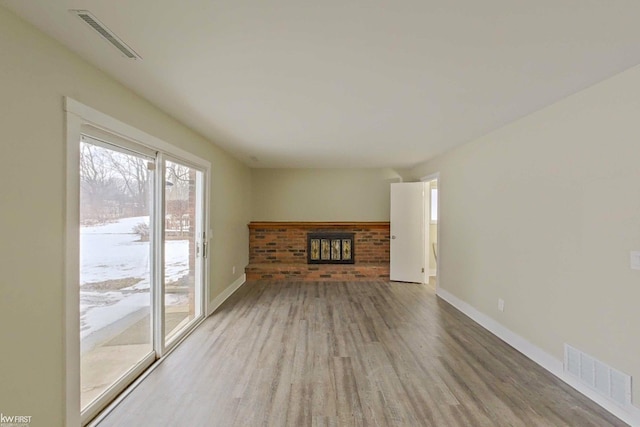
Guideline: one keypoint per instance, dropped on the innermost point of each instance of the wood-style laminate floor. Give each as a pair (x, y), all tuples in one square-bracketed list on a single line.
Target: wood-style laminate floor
[(348, 354)]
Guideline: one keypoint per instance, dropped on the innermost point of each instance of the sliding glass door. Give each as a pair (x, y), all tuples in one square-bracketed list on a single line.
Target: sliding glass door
[(115, 265), (142, 246)]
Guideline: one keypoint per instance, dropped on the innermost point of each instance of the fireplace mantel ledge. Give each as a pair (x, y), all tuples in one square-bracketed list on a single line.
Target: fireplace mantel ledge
[(313, 224)]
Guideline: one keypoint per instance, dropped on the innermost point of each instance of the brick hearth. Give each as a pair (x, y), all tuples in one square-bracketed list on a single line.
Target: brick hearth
[(278, 250)]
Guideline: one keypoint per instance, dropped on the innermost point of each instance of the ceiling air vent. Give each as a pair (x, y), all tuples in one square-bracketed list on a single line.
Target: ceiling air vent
[(107, 34)]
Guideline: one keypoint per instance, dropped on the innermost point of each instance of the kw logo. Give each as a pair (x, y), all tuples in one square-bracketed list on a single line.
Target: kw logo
[(14, 420)]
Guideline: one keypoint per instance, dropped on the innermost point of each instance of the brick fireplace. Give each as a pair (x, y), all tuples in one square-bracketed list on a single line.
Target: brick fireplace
[(281, 250)]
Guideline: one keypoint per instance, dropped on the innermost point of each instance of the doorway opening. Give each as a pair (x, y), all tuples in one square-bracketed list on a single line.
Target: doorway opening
[(431, 229), (414, 231)]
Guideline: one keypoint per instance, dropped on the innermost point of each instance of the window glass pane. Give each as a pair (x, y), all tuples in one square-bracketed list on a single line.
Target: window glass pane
[(182, 266), (115, 269)]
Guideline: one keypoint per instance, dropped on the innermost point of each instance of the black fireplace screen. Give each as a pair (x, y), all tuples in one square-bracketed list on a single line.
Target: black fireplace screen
[(330, 248)]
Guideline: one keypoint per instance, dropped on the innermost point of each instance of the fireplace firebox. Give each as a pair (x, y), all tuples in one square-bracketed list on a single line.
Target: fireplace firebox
[(330, 248)]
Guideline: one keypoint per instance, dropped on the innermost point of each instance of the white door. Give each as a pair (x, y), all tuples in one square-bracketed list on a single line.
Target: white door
[(407, 232)]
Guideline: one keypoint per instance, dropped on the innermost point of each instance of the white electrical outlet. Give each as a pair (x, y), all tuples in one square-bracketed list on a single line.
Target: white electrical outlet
[(233, 270), (500, 304)]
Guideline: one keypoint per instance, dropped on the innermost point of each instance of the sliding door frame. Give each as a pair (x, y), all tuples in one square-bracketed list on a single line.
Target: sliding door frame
[(78, 115)]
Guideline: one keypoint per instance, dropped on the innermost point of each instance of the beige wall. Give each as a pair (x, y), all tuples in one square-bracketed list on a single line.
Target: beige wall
[(35, 74), (543, 213), (321, 194)]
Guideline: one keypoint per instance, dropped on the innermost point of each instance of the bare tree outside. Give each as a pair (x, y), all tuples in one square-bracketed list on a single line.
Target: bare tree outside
[(112, 185), (133, 173), (177, 193)]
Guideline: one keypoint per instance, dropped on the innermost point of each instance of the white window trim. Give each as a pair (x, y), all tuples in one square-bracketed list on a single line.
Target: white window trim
[(78, 116), (99, 120)]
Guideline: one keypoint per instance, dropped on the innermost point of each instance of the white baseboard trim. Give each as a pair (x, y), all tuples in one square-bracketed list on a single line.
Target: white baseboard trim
[(630, 414), (217, 301)]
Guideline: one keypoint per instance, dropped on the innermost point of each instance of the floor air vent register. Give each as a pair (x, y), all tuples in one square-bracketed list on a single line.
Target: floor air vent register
[(598, 376)]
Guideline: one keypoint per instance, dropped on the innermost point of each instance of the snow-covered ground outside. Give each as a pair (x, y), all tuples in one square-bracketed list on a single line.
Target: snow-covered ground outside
[(113, 251)]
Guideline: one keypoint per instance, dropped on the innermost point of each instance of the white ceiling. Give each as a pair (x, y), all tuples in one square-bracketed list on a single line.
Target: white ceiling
[(350, 83)]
